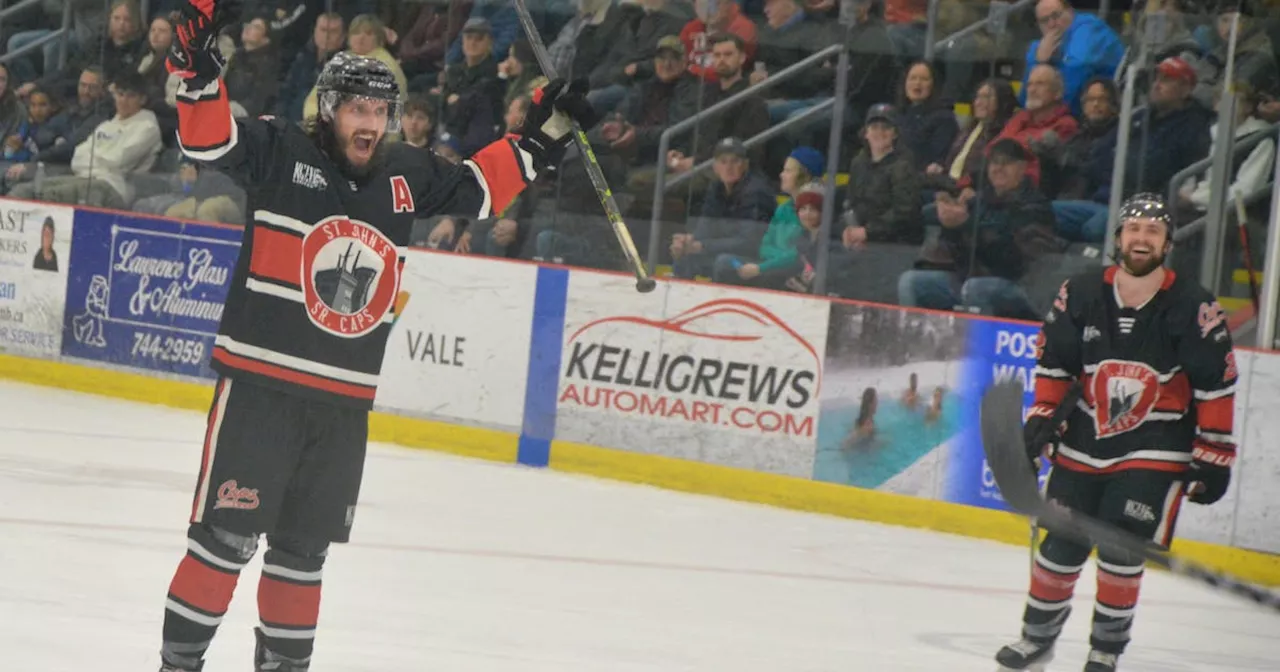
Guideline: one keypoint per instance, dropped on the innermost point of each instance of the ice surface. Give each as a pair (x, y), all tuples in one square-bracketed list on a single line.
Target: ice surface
[(460, 565)]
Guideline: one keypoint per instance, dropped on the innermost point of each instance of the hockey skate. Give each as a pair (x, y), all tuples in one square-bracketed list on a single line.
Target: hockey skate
[(266, 660), (1100, 661), (170, 662), (1025, 654)]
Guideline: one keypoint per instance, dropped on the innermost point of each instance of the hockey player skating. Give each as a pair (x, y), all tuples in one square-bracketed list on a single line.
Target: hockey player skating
[(306, 321), (1154, 357)]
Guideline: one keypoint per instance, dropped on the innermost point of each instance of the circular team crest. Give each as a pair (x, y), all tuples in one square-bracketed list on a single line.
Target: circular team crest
[(349, 276), (1124, 394)]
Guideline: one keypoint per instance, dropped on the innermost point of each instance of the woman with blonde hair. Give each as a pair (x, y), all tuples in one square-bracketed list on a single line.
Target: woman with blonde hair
[(367, 36)]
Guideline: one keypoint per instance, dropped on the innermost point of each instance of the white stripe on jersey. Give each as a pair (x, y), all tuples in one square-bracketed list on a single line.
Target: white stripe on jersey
[(1163, 377), (1202, 395), (1173, 456), (217, 152), (272, 289), (486, 206), (282, 221), (298, 363)]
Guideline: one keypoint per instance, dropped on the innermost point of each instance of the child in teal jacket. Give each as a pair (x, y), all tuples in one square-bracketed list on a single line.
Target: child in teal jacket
[(778, 259)]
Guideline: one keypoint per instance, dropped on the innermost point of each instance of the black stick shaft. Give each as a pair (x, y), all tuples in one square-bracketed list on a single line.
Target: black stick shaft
[(643, 282)]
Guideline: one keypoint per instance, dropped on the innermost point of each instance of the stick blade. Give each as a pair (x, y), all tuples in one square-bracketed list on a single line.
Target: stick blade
[(1002, 443)]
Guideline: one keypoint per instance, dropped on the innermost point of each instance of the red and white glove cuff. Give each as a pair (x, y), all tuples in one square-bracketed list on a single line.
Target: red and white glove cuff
[(1216, 454), (1040, 411)]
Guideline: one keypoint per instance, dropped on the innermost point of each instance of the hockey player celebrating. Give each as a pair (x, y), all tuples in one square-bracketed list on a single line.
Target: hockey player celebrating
[(306, 322), (1154, 357)]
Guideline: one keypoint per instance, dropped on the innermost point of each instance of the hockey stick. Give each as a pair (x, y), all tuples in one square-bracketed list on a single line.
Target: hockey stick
[(1001, 424), (644, 283), (1060, 415), (1242, 221)]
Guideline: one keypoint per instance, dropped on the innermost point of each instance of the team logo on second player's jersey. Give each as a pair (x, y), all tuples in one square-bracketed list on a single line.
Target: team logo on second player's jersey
[(1124, 394), (350, 275)]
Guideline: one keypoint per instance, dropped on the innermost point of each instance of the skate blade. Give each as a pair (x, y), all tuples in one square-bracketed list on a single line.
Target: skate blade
[(1041, 666), (1038, 666)]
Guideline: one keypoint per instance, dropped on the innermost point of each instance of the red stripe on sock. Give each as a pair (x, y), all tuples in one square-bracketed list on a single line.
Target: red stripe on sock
[(1050, 586), (202, 586), (288, 603), (1117, 591)]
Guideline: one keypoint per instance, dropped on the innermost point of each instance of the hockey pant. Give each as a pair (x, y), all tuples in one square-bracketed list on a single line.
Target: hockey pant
[(273, 464), (1142, 502)]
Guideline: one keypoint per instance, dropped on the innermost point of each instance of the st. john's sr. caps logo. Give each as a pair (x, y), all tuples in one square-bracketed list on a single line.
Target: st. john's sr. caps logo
[(1124, 394), (350, 275)]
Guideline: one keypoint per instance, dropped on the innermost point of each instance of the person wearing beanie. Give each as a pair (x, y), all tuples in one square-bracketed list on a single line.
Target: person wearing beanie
[(809, 204), (778, 259), (812, 160)]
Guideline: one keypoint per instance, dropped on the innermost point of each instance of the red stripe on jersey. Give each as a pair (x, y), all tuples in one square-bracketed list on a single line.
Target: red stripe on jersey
[(206, 588), (1109, 276), (282, 603), (291, 376), (1120, 592), (1050, 586), (502, 172), (1216, 415), (1051, 390), (206, 124), (1123, 465), (1175, 395), (276, 255)]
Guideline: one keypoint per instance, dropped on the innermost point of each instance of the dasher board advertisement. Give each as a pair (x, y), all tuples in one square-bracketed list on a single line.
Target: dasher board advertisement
[(459, 352), (35, 252), (692, 371), (148, 293)]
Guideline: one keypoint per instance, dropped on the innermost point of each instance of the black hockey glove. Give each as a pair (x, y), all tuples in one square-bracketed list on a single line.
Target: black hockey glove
[(1210, 471), (1040, 435), (194, 55), (547, 125)]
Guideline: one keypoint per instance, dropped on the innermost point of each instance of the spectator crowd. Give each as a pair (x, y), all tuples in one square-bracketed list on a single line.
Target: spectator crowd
[(973, 176)]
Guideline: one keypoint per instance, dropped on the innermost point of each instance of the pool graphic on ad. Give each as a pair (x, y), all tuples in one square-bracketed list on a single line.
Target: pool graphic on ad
[(889, 403)]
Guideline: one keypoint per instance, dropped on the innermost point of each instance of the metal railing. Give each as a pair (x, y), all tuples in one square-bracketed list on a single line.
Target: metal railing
[(1268, 308), (62, 34), (998, 14), (1198, 169), (664, 141), (756, 140)]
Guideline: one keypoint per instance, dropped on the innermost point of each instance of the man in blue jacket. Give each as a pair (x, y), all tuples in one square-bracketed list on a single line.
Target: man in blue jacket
[(735, 214), (1080, 46)]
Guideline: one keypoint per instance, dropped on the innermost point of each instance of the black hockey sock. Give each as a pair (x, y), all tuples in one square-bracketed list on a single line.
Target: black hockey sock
[(1118, 583), (289, 602), (1053, 582), (200, 592)]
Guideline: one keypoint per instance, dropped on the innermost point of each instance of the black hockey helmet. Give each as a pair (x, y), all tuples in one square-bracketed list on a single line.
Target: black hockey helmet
[(347, 76), (1146, 206)]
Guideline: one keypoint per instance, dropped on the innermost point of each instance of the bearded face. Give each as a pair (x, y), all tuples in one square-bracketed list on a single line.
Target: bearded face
[(1142, 245)]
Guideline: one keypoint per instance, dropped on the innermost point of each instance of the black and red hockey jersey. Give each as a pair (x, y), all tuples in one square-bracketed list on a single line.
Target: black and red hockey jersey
[(1158, 380), (314, 291)]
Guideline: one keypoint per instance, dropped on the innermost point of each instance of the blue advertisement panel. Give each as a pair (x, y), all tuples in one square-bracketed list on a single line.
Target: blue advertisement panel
[(997, 351), (147, 293)]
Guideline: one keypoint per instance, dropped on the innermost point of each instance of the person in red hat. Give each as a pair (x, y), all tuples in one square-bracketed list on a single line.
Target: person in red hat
[(1176, 135)]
